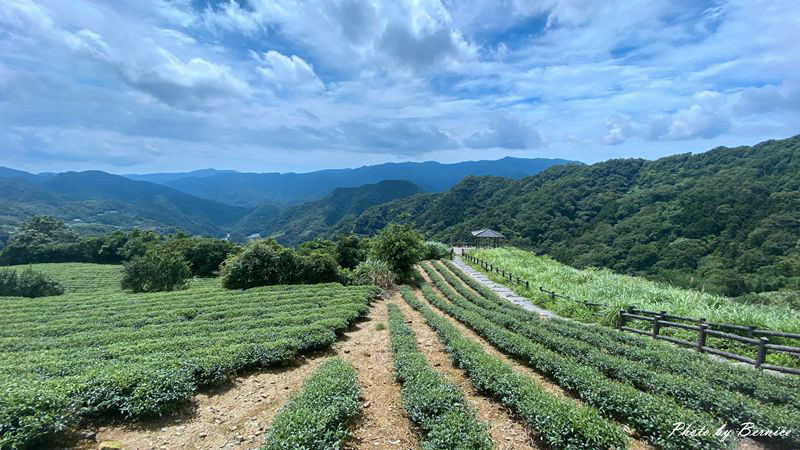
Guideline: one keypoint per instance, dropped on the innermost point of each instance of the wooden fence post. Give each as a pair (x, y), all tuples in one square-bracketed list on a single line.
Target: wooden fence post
[(657, 324), (621, 319), (701, 338), (527, 286), (762, 352), (750, 330)]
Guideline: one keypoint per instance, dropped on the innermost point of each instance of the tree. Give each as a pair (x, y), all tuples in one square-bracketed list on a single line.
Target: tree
[(30, 243), (155, 271), (204, 255), (262, 263), (350, 251), (400, 246)]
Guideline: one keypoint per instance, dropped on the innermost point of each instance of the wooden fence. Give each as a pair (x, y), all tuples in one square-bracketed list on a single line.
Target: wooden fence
[(490, 268), (753, 336), (659, 320)]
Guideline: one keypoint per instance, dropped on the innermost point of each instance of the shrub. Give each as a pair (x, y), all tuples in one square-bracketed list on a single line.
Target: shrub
[(400, 246), (204, 255), (260, 264), (316, 268), (435, 250), (155, 271), (375, 272), (265, 263), (28, 283), (350, 251)]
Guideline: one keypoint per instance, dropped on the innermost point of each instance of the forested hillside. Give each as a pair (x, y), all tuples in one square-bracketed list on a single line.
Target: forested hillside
[(725, 220), (253, 189), (96, 201), (297, 224)]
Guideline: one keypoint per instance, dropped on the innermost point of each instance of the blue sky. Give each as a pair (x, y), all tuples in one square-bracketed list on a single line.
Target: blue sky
[(281, 85)]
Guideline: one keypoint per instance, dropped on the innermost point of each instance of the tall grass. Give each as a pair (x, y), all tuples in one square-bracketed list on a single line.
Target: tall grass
[(620, 291)]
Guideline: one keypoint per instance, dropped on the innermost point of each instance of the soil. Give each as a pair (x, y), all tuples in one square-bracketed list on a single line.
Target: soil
[(238, 416), (506, 431)]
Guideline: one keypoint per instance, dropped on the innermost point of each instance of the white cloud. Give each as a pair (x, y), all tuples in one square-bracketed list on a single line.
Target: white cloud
[(706, 118), (505, 131), (785, 96), (288, 73)]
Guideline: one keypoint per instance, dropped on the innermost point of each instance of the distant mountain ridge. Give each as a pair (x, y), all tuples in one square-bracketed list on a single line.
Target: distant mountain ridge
[(299, 223), (253, 189), (101, 201)]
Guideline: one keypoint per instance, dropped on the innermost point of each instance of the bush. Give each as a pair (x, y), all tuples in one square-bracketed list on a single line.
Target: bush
[(435, 250), (375, 272), (400, 246), (350, 251), (265, 263), (316, 268), (29, 283), (204, 255), (155, 271)]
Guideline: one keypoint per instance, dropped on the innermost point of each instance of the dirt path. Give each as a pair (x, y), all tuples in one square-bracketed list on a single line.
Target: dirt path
[(238, 416), (489, 348), (506, 431), (384, 423)]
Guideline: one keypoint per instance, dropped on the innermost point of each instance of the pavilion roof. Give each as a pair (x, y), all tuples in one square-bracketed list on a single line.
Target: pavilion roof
[(487, 233)]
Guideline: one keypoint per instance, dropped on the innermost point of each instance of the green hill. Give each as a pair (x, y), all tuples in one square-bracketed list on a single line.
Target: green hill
[(725, 220), (296, 224), (98, 201)]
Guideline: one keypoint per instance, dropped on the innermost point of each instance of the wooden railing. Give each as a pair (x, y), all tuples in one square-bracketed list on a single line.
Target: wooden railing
[(754, 336), (745, 334), (502, 272)]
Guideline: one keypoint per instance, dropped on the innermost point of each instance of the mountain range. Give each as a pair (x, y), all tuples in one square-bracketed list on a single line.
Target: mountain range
[(217, 202), (254, 189)]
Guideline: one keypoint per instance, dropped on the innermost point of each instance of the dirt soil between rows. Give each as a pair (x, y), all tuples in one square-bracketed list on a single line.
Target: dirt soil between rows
[(239, 415)]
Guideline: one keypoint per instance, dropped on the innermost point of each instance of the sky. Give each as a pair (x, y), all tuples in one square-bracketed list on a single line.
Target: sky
[(133, 86)]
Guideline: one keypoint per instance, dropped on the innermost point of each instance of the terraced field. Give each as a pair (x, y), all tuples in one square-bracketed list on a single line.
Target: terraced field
[(71, 357), (445, 363)]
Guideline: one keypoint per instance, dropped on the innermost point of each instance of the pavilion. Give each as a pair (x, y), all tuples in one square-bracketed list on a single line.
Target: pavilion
[(487, 238)]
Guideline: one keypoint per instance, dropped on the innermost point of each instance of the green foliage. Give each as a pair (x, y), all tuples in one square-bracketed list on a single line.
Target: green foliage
[(317, 245), (28, 283), (400, 246), (653, 353), (204, 255), (80, 277), (324, 217), (265, 263), (652, 416), (317, 417), (316, 268), (155, 271), (620, 291), (351, 250), (558, 422), (693, 392), (375, 272), (436, 405), (435, 250), (723, 221), (33, 239), (91, 355)]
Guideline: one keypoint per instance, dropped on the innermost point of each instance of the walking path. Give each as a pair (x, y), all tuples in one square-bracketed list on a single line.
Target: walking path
[(499, 289)]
